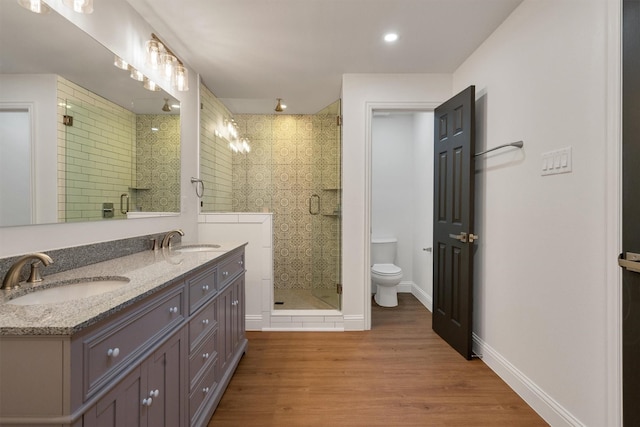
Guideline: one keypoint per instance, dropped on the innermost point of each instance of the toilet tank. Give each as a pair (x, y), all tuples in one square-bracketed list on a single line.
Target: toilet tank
[(383, 250)]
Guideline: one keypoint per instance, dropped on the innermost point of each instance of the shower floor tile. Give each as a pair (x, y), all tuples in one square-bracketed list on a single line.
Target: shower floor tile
[(299, 299)]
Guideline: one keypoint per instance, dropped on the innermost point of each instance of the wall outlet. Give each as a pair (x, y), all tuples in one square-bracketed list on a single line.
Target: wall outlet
[(557, 161)]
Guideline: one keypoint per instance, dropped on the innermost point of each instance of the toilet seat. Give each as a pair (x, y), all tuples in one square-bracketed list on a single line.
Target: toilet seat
[(386, 269)]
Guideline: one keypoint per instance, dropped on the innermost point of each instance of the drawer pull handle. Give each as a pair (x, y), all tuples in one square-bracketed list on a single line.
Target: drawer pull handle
[(173, 310), (113, 352), (154, 393), (225, 273), (147, 402), (205, 390), (205, 288), (205, 322), (205, 356)]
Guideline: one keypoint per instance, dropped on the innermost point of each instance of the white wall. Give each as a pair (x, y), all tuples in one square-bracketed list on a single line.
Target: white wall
[(423, 208), (40, 92), (361, 93), (540, 271), (128, 42)]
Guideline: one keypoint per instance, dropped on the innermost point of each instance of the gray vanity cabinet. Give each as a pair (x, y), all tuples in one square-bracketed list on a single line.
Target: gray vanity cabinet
[(149, 395), (165, 360), (216, 341)]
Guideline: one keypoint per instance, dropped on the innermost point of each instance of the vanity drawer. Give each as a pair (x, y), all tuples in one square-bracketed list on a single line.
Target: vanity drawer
[(202, 323), (201, 288), (118, 343), (202, 391), (201, 358), (229, 269)]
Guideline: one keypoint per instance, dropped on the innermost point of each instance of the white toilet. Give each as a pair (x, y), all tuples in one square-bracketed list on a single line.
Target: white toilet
[(385, 275)]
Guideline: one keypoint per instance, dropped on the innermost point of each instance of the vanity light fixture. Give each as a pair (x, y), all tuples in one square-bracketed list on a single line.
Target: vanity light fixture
[(136, 74), (120, 63), (150, 85), (159, 56), (35, 6), (80, 6)]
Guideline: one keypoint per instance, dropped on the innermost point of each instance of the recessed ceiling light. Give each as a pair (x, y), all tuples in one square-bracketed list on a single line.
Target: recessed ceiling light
[(390, 37)]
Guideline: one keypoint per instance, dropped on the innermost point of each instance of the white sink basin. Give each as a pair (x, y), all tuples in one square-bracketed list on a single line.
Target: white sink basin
[(82, 288), (198, 248)]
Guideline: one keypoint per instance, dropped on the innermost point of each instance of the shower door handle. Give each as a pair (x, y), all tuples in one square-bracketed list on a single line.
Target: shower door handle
[(314, 196)]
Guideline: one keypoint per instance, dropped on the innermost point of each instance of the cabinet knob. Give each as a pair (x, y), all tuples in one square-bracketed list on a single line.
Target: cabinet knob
[(205, 356), (205, 288), (205, 322), (205, 390), (225, 273), (154, 393), (113, 352), (173, 310), (241, 262), (147, 402)]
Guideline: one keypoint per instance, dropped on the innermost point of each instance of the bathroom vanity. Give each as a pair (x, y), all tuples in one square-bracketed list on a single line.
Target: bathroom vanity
[(159, 351)]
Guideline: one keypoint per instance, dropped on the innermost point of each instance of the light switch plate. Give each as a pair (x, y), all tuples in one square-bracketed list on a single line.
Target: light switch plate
[(557, 161)]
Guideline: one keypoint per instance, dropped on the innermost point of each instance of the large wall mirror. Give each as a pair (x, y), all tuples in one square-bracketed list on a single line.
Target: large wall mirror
[(80, 139)]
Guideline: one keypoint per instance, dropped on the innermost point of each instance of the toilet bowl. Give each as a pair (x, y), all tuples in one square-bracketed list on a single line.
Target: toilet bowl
[(385, 276)]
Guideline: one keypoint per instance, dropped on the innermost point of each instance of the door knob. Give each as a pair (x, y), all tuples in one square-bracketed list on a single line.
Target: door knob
[(630, 261), (462, 237)]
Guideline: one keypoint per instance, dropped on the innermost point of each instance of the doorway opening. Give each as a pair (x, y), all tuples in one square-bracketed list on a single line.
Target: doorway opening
[(400, 146)]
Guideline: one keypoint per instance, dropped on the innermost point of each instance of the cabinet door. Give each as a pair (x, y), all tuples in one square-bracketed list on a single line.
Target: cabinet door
[(225, 324), (121, 407), (237, 314), (165, 383)]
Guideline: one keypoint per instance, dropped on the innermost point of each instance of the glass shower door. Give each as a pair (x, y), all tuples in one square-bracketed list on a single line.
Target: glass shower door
[(324, 207)]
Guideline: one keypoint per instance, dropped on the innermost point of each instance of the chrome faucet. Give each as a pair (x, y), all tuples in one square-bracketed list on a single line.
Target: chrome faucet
[(166, 241), (12, 278)]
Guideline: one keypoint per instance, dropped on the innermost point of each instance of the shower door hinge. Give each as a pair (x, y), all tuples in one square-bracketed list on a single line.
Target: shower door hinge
[(339, 120), (339, 288), (67, 120)]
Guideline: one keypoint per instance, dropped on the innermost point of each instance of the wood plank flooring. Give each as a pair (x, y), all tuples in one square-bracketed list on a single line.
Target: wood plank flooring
[(398, 374)]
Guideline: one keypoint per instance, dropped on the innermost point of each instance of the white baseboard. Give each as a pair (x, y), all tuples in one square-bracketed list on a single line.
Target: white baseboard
[(253, 322), (422, 296), (552, 412)]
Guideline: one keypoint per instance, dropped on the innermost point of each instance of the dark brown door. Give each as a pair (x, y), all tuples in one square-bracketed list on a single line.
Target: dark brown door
[(454, 146), (631, 212)]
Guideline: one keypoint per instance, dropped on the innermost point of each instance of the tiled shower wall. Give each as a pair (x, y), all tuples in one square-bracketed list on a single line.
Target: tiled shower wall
[(157, 168), (292, 158), (96, 157), (215, 155)]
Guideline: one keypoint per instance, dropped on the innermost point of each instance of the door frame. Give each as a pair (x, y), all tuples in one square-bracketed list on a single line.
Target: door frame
[(613, 213), (369, 108)]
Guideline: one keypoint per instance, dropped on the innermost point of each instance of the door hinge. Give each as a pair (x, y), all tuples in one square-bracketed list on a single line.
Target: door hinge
[(339, 120), (339, 288), (67, 120)]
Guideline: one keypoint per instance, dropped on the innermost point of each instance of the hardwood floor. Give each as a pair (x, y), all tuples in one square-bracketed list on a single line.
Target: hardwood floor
[(398, 374)]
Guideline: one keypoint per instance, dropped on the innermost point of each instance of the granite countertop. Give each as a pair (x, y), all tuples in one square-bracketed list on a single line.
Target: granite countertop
[(148, 272)]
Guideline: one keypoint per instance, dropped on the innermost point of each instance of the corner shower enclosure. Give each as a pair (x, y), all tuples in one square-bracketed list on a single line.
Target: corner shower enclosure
[(292, 168)]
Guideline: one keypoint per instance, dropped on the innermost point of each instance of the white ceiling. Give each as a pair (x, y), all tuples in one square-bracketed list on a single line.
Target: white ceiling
[(250, 52)]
